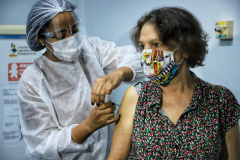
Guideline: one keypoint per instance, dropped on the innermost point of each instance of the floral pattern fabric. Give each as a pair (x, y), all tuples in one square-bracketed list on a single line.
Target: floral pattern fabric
[(199, 132)]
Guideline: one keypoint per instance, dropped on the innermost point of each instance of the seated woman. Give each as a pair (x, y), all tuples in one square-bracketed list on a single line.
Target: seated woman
[(175, 115)]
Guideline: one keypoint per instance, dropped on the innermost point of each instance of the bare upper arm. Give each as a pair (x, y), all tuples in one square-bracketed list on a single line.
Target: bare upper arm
[(232, 145), (128, 104), (123, 129)]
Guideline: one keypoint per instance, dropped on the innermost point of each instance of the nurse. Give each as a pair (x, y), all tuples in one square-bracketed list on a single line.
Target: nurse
[(64, 113)]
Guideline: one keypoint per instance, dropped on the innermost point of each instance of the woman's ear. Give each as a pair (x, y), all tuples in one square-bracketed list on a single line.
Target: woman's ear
[(185, 55)]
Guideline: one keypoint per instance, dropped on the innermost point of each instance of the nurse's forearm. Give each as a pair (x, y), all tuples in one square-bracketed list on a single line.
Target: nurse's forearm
[(126, 72), (99, 117), (81, 133)]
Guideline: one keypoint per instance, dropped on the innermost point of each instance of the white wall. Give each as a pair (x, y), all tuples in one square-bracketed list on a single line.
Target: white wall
[(15, 12), (113, 19)]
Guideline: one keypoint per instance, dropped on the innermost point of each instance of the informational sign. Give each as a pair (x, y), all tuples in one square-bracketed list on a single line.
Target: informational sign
[(15, 70), (11, 133), (16, 56)]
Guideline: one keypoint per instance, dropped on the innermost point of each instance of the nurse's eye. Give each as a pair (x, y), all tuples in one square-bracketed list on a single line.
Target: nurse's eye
[(61, 34), (167, 56), (75, 29)]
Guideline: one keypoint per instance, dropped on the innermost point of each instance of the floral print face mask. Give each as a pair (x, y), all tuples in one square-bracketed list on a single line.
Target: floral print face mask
[(159, 66)]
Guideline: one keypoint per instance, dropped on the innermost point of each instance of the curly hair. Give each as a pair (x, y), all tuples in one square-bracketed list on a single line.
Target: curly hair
[(178, 24)]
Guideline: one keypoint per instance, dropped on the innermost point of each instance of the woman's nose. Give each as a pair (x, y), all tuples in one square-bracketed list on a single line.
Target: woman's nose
[(147, 46)]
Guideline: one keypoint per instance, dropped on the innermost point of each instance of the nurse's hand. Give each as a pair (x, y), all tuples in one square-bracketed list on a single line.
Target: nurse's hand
[(101, 116), (105, 84)]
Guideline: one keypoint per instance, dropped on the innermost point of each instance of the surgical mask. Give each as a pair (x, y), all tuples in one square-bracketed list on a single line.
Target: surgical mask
[(67, 49), (159, 66)]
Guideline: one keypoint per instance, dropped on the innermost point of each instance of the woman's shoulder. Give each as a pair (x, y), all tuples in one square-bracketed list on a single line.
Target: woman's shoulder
[(145, 86), (212, 87), (138, 87), (130, 96), (131, 92), (129, 102), (214, 90)]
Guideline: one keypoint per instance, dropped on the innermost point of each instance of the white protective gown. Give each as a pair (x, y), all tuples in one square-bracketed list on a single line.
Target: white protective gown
[(55, 97)]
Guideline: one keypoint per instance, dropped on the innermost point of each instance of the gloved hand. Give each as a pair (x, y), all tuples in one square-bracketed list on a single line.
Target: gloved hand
[(105, 84)]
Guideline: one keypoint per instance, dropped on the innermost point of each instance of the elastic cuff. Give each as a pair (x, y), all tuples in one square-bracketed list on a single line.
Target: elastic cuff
[(134, 74)]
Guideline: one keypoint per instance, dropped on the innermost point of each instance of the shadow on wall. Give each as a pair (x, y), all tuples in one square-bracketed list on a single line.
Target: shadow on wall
[(225, 42)]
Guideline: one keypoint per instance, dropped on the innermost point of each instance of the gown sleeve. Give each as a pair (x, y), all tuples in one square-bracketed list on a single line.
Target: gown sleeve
[(43, 136), (112, 57)]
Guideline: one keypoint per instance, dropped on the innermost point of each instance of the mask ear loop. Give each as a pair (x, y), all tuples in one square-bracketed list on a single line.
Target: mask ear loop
[(180, 61), (174, 54), (176, 49), (47, 46)]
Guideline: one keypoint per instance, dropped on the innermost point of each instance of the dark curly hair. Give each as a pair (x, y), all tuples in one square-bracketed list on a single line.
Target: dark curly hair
[(178, 24)]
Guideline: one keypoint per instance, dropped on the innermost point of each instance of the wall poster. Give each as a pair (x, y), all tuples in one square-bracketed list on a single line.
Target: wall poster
[(16, 56)]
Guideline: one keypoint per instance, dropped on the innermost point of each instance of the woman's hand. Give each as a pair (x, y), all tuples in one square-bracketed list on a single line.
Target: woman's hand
[(105, 84)]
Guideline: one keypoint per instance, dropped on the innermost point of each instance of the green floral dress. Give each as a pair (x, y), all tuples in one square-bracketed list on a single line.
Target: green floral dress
[(199, 132)]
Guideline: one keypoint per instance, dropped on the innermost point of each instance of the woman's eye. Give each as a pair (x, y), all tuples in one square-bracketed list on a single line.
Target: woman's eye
[(157, 45), (142, 47)]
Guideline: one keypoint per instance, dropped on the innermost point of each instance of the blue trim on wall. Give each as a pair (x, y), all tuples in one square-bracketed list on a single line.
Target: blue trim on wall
[(12, 36)]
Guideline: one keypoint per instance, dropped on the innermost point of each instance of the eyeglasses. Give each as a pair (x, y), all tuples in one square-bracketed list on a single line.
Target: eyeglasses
[(61, 34)]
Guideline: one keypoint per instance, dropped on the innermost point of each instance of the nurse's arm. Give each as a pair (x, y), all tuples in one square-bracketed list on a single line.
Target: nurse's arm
[(231, 149), (98, 118), (121, 141), (105, 84)]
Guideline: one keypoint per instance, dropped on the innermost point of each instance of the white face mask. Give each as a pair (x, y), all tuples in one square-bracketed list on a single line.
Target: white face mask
[(67, 49)]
